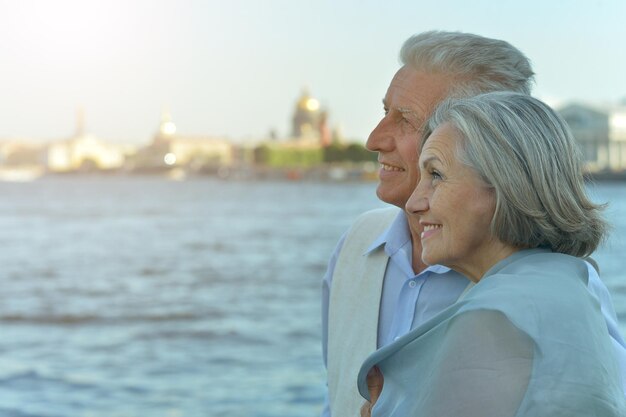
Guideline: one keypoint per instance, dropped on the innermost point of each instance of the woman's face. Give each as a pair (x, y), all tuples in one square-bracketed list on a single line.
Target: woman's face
[(455, 208)]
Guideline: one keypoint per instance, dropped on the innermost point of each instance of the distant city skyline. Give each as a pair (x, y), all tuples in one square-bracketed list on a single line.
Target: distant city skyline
[(235, 69)]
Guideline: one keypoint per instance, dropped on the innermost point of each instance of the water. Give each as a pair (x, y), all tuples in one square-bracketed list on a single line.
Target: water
[(142, 297)]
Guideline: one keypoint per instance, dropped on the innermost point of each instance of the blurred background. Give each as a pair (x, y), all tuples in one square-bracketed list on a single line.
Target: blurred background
[(175, 174)]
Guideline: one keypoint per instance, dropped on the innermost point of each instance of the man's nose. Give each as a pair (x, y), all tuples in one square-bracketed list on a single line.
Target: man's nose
[(381, 138)]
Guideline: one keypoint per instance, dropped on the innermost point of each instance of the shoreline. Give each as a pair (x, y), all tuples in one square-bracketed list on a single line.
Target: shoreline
[(363, 172)]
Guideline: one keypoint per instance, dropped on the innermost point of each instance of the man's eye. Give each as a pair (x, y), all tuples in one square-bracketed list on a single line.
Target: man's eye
[(407, 125), (435, 175)]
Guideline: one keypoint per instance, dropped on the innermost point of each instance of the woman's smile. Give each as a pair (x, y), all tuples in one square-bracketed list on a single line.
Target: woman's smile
[(429, 230)]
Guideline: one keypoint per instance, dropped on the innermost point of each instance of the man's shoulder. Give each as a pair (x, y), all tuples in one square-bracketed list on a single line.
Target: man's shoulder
[(376, 218), (369, 226)]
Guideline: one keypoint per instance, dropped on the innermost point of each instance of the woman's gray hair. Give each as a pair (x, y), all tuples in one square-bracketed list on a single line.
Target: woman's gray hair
[(525, 151), (479, 64)]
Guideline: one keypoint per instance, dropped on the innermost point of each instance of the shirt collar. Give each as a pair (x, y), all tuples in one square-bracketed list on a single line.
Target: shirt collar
[(393, 237)]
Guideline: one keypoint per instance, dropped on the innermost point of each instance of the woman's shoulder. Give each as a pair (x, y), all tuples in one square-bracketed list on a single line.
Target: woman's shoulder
[(535, 286), (538, 263), (533, 272)]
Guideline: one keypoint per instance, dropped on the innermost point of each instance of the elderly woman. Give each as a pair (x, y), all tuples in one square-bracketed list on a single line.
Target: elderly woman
[(502, 200)]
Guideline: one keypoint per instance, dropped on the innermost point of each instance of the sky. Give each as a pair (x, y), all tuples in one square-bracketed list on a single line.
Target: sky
[(235, 68)]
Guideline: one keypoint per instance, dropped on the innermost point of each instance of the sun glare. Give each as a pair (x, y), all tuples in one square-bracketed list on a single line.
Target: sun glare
[(169, 159), (169, 128), (312, 104)]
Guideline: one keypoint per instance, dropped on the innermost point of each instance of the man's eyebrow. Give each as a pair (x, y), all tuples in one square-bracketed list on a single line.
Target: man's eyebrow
[(404, 110)]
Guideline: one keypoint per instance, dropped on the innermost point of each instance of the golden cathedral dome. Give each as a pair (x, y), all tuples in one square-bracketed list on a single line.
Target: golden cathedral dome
[(307, 103), (306, 116)]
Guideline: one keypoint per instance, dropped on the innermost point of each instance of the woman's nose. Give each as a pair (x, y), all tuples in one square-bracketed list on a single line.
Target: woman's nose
[(418, 201)]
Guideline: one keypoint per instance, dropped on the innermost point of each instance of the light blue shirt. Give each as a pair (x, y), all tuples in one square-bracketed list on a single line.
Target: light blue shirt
[(409, 300)]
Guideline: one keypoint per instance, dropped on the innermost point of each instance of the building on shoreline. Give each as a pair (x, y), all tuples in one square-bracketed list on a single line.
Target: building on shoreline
[(169, 149), (309, 121), (601, 134), (86, 153), (21, 160)]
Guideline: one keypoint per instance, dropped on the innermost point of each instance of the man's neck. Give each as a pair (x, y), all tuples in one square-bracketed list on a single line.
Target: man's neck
[(416, 260)]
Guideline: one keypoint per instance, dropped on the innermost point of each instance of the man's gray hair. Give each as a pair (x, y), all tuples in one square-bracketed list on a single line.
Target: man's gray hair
[(525, 151), (479, 64)]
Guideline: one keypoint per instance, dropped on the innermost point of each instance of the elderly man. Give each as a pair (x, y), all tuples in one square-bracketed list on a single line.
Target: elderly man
[(376, 287)]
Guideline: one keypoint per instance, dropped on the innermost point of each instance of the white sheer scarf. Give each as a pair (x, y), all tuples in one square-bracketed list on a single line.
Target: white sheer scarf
[(527, 341)]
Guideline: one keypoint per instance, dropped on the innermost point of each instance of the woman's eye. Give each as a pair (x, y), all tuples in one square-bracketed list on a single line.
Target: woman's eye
[(435, 175)]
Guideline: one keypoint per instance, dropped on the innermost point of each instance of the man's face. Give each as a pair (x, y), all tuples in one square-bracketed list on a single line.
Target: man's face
[(410, 99)]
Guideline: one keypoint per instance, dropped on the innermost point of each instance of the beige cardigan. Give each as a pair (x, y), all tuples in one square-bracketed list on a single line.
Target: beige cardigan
[(353, 309)]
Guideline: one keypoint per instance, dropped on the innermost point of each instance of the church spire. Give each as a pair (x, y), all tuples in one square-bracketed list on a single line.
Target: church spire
[(80, 122), (167, 127)]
